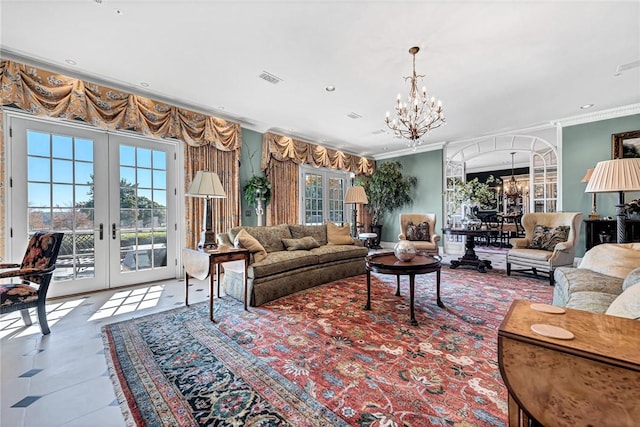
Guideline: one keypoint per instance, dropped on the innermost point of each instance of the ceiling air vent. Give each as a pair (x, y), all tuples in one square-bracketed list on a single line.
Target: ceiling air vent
[(270, 77), (353, 115)]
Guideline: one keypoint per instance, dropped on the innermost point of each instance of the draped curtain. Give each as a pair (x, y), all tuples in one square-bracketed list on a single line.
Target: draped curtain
[(226, 212), (44, 93), (281, 156)]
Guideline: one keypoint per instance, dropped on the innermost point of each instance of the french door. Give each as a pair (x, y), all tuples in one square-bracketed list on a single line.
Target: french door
[(112, 195), (322, 195)]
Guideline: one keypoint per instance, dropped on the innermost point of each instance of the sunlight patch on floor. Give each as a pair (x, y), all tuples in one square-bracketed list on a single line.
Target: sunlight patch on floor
[(12, 322), (128, 301)]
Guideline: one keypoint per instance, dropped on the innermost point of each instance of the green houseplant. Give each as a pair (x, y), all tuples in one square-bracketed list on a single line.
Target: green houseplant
[(387, 189), (255, 184)]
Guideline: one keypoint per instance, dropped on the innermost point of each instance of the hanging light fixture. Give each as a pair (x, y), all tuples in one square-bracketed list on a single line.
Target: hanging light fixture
[(419, 115), (511, 189)]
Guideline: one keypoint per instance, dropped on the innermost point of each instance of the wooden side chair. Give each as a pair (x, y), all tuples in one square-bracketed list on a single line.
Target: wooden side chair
[(29, 281)]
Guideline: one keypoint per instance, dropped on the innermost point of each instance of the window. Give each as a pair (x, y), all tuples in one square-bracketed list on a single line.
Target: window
[(322, 195)]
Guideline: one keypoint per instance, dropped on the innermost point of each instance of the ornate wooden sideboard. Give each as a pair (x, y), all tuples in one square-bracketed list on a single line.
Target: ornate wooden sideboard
[(593, 228), (591, 380)]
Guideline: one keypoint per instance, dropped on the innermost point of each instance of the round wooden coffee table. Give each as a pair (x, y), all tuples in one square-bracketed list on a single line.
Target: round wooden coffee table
[(387, 263)]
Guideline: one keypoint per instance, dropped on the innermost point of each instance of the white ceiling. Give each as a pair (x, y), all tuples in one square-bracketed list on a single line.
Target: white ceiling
[(497, 66)]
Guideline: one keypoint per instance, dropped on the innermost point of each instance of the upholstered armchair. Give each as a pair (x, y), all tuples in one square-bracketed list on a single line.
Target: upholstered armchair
[(550, 241), (412, 226), (29, 281)]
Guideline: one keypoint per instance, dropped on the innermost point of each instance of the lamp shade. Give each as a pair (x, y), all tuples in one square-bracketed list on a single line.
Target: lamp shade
[(356, 194), (587, 175), (615, 176), (207, 185)]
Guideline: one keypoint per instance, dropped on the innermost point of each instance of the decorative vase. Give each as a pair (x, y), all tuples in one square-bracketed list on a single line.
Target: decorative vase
[(404, 250)]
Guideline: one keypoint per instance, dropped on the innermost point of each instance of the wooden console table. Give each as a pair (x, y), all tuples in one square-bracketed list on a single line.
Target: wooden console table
[(591, 380), (200, 263)]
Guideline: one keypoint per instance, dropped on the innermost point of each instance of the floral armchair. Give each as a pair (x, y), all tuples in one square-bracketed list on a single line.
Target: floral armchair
[(30, 279)]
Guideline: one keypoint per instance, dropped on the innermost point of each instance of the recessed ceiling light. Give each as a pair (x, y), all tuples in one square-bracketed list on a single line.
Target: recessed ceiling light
[(144, 84), (586, 106), (70, 61), (330, 88)]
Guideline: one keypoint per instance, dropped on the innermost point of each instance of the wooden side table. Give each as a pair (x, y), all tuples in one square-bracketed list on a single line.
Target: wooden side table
[(200, 263), (592, 379)]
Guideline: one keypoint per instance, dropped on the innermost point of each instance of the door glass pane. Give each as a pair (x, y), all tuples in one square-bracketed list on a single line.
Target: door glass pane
[(143, 183), (336, 197), (60, 198), (313, 199)]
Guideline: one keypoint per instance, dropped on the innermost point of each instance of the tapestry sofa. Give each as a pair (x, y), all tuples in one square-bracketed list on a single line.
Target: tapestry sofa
[(607, 280), (290, 258)]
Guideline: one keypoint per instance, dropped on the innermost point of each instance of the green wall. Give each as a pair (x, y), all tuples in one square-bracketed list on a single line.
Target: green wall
[(582, 147), (427, 197), (249, 165)]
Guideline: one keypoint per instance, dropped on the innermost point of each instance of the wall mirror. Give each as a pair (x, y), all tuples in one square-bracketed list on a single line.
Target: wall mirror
[(625, 144)]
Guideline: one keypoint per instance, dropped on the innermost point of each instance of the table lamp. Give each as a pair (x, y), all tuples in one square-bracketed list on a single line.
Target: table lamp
[(207, 185), (594, 213), (355, 195), (617, 175)]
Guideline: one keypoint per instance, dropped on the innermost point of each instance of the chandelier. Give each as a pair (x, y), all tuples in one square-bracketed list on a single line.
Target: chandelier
[(511, 189), (419, 115)]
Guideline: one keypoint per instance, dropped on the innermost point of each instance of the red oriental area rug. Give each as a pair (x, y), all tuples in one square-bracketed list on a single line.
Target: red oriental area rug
[(317, 358)]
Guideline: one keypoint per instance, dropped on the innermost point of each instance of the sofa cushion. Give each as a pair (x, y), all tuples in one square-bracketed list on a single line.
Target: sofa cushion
[(269, 237), (632, 278), (279, 262), (337, 235), (318, 232), (627, 304), (596, 302), (612, 259), (303, 243), (546, 238), (569, 280), (329, 253), (247, 241)]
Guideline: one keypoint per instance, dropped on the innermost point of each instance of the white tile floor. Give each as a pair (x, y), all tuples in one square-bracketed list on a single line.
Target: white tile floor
[(61, 379)]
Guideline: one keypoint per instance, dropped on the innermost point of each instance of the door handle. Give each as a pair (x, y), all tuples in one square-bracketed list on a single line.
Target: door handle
[(113, 231), (101, 232)]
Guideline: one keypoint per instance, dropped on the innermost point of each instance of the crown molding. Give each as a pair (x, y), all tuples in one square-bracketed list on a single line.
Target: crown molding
[(596, 116), (432, 146)]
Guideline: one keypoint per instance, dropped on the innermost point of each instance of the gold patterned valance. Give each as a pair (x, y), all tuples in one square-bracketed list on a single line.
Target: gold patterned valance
[(280, 148), (44, 93)]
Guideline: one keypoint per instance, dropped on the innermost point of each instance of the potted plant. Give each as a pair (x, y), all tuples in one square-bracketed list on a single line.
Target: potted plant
[(257, 186), (472, 193), (387, 189)]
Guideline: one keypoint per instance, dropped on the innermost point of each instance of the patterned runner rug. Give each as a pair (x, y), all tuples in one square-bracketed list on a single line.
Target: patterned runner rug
[(317, 358)]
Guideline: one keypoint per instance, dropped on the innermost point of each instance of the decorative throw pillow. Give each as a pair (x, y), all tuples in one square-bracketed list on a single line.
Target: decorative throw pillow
[(411, 232), (422, 231), (245, 240), (546, 238), (304, 243), (337, 235)]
